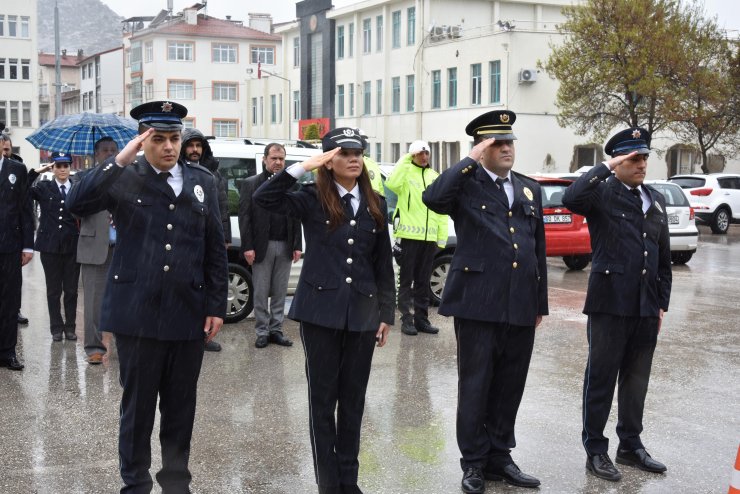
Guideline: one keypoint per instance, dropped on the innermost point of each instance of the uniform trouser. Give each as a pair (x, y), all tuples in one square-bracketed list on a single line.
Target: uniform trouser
[(62, 275), (10, 302), (337, 371), (620, 349), (492, 361), (416, 266), (170, 370), (94, 277), (270, 280)]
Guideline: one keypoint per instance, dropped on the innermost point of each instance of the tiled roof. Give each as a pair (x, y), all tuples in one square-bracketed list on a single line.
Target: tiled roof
[(66, 61), (211, 28)]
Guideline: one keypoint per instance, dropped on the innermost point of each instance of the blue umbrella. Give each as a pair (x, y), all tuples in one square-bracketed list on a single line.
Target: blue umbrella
[(77, 134)]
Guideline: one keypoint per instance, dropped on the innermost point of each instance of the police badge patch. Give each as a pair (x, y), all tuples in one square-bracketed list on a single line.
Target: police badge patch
[(12, 178), (528, 193), (199, 194)]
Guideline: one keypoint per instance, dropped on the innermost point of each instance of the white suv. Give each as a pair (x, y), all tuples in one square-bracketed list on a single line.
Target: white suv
[(715, 198)]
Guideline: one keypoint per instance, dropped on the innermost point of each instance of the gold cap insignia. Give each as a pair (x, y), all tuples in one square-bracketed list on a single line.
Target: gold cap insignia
[(504, 118), (166, 107), (636, 134)]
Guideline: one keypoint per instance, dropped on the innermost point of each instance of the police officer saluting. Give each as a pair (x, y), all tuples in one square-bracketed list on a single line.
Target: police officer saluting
[(628, 291), (497, 292), (166, 290)]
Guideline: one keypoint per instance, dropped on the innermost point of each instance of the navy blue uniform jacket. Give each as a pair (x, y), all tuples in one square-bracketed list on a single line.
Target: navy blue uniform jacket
[(168, 270), (631, 265), (499, 270), (16, 211), (347, 279), (57, 232)]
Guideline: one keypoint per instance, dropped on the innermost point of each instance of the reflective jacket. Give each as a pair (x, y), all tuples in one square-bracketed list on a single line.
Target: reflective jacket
[(412, 218)]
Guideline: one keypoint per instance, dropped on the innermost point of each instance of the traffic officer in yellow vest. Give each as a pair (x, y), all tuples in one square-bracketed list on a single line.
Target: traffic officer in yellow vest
[(421, 231)]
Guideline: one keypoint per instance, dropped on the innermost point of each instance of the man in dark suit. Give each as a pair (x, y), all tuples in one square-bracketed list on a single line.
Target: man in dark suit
[(56, 240), (16, 250), (496, 290), (270, 242), (628, 292), (166, 290), (94, 253)]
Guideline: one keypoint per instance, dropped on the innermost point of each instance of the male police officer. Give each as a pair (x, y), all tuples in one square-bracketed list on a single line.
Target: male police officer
[(166, 290), (497, 291), (628, 291)]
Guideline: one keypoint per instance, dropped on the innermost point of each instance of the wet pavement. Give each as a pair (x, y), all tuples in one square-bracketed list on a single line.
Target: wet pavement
[(59, 417)]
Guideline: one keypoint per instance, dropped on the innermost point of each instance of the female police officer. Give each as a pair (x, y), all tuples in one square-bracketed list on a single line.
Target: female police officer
[(345, 297)]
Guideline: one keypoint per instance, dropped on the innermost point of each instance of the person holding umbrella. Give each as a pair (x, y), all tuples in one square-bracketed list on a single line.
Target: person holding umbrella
[(56, 240)]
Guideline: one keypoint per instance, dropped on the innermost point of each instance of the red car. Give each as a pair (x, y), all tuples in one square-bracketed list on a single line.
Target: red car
[(566, 233)]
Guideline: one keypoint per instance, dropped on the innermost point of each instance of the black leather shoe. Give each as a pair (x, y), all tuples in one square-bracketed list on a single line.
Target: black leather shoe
[(280, 339), (11, 363), (22, 319), (426, 327), (349, 489), (602, 466), (262, 341), (409, 329), (641, 459), (212, 346), (511, 475), (472, 481), (56, 337), (70, 335)]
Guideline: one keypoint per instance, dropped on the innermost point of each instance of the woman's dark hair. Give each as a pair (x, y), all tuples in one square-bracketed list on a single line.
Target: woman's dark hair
[(332, 203)]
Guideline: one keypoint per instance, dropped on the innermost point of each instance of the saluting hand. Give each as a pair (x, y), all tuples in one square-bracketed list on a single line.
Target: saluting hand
[(618, 160), (382, 335), (127, 155), (479, 148), (44, 168), (319, 160), (212, 327)]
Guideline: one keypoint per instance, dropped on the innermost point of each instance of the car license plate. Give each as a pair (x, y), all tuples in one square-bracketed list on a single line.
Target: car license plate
[(558, 218), (673, 219)]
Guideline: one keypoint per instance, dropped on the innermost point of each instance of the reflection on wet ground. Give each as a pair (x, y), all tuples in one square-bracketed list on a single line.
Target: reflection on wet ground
[(60, 416)]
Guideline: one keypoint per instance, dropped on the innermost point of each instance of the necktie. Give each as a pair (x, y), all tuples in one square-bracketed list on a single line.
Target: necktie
[(500, 186), (638, 196), (163, 176), (347, 200), (63, 190)]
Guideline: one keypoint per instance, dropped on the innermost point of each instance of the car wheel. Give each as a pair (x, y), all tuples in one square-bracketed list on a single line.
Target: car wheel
[(440, 268), (239, 302), (720, 221), (681, 257), (577, 263)]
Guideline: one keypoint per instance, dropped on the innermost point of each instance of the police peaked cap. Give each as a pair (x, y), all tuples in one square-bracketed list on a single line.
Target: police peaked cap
[(161, 115)]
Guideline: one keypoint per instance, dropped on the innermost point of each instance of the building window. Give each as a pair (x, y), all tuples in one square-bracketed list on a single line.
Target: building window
[(3, 111), (2, 25), (180, 51), (396, 42), (90, 70), (263, 54), (14, 116), (379, 97), (181, 89), (340, 42), (224, 91), (13, 27), (296, 105), (188, 123), (379, 33), (588, 155), (136, 91), (261, 110), (366, 98), (148, 51), (97, 70), (475, 80), (296, 52), (351, 39), (24, 28), (436, 89), (340, 100), (452, 87), (26, 69), (149, 90), (411, 25), (224, 128), (351, 99), (273, 108), (395, 152), (409, 93), (378, 149), (495, 69), (254, 111), (367, 36), (224, 53), (396, 95), (84, 102)]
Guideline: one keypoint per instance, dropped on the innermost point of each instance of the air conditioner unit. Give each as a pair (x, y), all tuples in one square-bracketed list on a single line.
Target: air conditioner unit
[(455, 31), (527, 75), (438, 33)]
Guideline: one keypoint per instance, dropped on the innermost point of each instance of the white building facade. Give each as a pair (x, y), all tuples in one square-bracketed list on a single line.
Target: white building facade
[(101, 82), (18, 76)]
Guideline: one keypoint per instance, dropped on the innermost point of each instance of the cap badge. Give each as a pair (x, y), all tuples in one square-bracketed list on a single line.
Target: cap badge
[(349, 132), (166, 107), (61, 155), (528, 193), (504, 118), (11, 178), (636, 134), (198, 190)]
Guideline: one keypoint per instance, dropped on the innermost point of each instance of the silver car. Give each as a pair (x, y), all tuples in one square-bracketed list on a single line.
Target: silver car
[(681, 221)]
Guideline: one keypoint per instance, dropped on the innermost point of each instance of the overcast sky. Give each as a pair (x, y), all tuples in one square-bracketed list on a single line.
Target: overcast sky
[(727, 11)]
